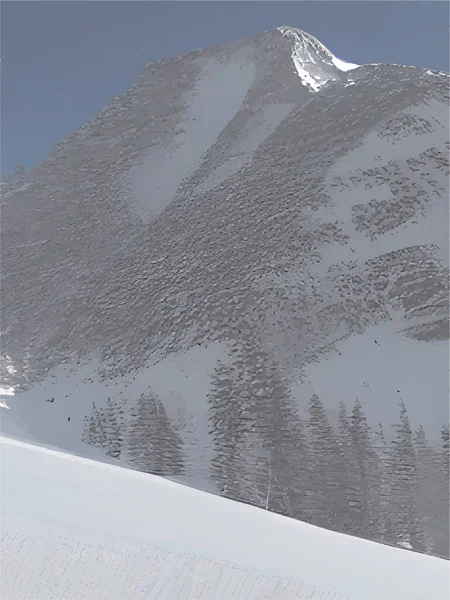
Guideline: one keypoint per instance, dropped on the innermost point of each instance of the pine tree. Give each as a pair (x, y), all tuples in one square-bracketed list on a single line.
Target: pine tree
[(290, 461), (154, 446), (441, 509), (428, 500), (113, 426), (94, 433), (347, 483), (326, 467), (259, 445), (239, 468), (282, 435), (408, 530), (104, 428), (385, 521), (366, 501), (445, 434)]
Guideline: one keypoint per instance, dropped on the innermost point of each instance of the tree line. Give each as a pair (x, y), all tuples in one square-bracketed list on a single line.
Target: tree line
[(388, 484)]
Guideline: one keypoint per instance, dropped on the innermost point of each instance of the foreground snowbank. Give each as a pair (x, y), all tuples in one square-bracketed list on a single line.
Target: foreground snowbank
[(76, 528)]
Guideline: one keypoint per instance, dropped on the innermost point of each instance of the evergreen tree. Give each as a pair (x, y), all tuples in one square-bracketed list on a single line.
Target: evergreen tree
[(385, 522), (94, 433), (445, 447), (441, 509), (428, 500), (290, 461), (104, 428), (347, 487), (408, 529), (326, 466), (365, 499), (240, 464), (259, 445), (154, 446), (113, 424), (282, 435)]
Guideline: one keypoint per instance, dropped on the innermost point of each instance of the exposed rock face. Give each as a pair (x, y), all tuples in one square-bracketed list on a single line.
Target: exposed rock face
[(248, 225)]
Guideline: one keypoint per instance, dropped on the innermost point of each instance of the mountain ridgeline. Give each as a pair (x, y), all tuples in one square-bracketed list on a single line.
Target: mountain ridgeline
[(236, 275)]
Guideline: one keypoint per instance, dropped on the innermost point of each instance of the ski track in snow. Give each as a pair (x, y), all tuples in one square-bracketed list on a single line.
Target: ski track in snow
[(76, 529), (49, 564)]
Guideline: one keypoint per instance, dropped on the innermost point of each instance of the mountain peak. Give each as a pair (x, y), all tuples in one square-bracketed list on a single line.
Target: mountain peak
[(218, 246), (314, 63)]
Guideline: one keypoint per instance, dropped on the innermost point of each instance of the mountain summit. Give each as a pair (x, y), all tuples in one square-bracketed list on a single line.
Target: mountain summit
[(204, 279), (315, 64)]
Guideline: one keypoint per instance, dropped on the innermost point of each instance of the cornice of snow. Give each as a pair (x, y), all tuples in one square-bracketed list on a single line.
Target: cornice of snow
[(314, 63)]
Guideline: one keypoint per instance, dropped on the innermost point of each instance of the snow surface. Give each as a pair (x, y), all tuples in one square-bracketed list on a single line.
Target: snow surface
[(312, 59), (342, 65), (155, 180), (289, 229), (75, 528)]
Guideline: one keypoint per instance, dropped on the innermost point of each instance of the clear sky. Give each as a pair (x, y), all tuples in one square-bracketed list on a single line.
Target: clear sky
[(63, 61)]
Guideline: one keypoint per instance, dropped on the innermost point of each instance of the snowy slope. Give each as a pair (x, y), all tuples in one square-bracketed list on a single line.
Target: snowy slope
[(249, 225), (314, 63), (76, 528)]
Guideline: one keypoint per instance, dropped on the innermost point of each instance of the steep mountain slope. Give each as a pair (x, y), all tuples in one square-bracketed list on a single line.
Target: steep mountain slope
[(78, 528), (249, 225)]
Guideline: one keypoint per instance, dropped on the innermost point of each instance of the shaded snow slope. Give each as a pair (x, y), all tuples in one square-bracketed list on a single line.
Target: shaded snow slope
[(77, 528), (219, 244)]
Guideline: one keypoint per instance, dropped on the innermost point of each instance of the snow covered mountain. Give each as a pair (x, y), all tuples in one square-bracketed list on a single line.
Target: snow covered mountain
[(78, 528), (236, 275)]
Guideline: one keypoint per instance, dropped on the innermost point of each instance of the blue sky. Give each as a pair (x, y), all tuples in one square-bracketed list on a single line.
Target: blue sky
[(63, 61)]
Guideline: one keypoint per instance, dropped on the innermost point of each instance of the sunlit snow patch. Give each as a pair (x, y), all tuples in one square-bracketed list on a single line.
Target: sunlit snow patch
[(312, 60), (8, 391), (436, 73), (307, 78), (341, 64), (5, 391), (6, 369)]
